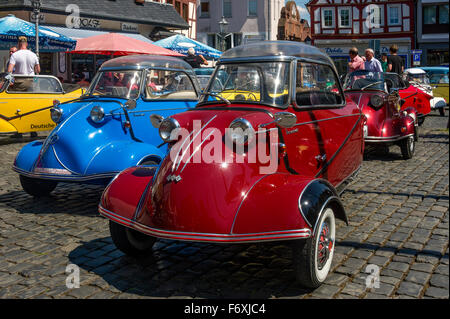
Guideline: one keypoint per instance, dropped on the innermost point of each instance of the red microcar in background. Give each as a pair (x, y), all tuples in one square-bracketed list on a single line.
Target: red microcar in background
[(411, 96), (387, 123), (277, 99)]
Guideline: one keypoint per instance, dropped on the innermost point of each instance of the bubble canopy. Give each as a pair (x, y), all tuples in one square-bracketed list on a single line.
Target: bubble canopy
[(276, 48), (146, 62)]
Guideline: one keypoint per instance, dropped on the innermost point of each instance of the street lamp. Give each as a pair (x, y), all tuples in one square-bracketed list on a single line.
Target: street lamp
[(223, 33), (37, 4)]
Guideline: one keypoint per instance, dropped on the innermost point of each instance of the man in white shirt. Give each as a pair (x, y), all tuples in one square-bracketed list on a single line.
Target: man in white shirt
[(24, 61), (371, 63)]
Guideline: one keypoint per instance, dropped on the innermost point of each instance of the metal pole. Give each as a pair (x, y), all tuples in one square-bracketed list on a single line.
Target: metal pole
[(37, 35)]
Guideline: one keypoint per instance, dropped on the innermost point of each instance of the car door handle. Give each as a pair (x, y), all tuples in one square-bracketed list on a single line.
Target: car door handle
[(321, 158)]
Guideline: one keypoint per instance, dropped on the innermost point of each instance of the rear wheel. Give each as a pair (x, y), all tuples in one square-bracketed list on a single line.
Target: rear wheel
[(408, 146), (312, 258), (37, 187), (130, 241)]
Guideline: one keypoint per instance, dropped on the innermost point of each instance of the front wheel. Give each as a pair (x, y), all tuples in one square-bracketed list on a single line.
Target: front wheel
[(130, 241), (408, 146), (312, 258), (37, 187)]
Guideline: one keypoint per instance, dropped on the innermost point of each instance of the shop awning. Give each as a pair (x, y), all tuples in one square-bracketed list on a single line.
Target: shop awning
[(114, 44), (82, 33)]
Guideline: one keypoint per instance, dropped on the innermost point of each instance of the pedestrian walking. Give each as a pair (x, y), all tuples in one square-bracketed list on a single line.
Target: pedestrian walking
[(195, 61), (372, 64), (384, 62), (24, 61), (395, 63), (356, 62)]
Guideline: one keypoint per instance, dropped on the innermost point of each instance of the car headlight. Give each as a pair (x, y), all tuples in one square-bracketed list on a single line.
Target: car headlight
[(56, 114), (376, 100), (168, 129), (97, 114), (241, 131)]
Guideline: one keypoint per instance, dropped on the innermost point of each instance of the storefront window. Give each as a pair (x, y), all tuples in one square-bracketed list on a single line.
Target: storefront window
[(82, 64), (437, 57), (429, 15), (45, 61), (443, 14)]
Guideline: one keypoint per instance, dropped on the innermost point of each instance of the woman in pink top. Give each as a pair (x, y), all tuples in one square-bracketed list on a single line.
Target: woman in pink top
[(356, 62)]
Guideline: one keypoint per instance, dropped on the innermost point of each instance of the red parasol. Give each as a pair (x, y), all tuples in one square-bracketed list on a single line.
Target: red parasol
[(115, 44)]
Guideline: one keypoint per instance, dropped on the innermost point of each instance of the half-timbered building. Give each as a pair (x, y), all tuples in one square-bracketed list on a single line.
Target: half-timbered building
[(338, 25)]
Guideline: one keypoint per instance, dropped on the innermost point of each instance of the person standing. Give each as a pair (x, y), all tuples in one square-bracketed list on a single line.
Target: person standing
[(384, 63), (356, 62), (195, 61), (12, 50), (395, 63), (372, 64), (24, 61)]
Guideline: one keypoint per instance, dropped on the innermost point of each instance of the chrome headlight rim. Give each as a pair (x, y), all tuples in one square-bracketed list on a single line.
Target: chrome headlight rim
[(97, 114), (247, 130), (376, 100), (56, 114), (168, 129)]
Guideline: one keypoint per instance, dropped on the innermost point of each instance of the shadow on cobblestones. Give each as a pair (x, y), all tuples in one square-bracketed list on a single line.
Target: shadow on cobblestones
[(196, 270), (421, 196), (67, 198), (393, 249)]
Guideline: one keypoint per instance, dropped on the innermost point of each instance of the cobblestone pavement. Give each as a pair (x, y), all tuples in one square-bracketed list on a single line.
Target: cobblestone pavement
[(398, 220)]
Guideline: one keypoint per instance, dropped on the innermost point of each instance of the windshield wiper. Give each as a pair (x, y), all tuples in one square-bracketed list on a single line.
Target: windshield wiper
[(218, 96), (369, 85)]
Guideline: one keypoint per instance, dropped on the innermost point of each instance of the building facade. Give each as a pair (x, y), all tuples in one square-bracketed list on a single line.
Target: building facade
[(338, 25), (291, 26), (84, 18), (248, 21), (432, 31), (187, 9)]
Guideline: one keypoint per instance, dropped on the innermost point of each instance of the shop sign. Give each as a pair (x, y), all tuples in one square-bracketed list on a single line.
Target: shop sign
[(88, 23), (133, 27), (333, 50)]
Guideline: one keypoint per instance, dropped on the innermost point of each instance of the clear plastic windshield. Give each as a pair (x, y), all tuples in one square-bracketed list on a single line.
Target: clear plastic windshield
[(364, 80), (263, 83), (124, 84), (418, 78)]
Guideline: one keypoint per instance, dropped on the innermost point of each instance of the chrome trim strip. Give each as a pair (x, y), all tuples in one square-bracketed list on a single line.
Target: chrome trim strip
[(373, 139), (195, 151), (327, 119), (61, 163), (192, 141), (206, 237), (77, 178)]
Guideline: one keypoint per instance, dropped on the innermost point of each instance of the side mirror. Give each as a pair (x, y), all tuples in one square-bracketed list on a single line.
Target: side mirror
[(130, 104), (285, 119), (156, 120)]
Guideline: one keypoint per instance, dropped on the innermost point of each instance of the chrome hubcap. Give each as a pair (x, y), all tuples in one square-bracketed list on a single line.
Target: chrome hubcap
[(325, 246)]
